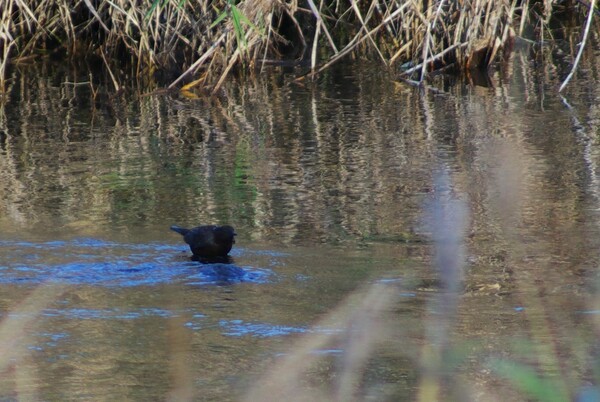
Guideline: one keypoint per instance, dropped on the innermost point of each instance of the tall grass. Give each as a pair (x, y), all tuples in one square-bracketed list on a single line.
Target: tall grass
[(200, 43)]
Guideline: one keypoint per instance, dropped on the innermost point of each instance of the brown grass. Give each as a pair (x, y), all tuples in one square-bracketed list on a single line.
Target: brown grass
[(201, 43)]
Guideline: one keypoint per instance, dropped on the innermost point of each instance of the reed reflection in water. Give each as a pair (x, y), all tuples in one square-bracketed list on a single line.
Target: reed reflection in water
[(326, 185), (291, 164)]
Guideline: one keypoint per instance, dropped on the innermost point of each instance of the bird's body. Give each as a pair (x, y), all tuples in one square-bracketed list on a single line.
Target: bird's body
[(208, 241)]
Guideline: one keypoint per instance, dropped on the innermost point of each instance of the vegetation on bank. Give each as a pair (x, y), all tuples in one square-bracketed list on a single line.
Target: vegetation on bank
[(199, 43)]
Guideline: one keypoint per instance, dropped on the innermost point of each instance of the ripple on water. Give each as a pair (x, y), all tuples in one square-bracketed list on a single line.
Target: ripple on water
[(267, 330), (257, 329), (101, 263), (113, 313)]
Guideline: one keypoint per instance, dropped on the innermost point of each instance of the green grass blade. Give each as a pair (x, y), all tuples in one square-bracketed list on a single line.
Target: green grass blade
[(528, 381), (237, 26), (219, 18)]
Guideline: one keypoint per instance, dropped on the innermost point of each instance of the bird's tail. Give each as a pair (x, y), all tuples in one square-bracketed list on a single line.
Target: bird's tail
[(180, 230)]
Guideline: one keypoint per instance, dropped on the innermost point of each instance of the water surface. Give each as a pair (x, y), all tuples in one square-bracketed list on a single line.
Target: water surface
[(328, 185)]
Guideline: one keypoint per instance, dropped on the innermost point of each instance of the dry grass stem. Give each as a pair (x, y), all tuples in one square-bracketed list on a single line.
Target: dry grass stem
[(360, 322), (15, 326)]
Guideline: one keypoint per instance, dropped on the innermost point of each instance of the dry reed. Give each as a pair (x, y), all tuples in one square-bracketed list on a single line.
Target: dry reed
[(200, 43)]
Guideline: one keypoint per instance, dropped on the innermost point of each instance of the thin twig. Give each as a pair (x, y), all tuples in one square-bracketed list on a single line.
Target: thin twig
[(114, 80), (581, 45), (95, 14), (232, 61), (322, 24), (201, 60), (366, 29), (315, 47), (428, 39), (433, 58)]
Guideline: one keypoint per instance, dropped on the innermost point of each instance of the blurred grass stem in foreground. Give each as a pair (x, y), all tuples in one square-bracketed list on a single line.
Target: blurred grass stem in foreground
[(447, 219)]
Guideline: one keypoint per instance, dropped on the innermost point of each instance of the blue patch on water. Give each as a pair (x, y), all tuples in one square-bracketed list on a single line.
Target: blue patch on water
[(54, 337), (264, 330), (110, 314), (88, 261), (327, 351), (226, 274), (302, 277), (90, 242), (193, 325), (389, 280), (260, 330), (55, 243), (49, 340)]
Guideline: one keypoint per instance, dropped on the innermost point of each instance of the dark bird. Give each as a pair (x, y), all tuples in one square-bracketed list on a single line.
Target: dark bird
[(208, 241)]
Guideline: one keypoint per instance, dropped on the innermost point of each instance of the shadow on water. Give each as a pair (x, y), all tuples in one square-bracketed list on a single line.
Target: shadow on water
[(102, 263)]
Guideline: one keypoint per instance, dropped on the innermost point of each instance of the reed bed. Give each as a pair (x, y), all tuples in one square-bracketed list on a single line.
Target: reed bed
[(197, 44)]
